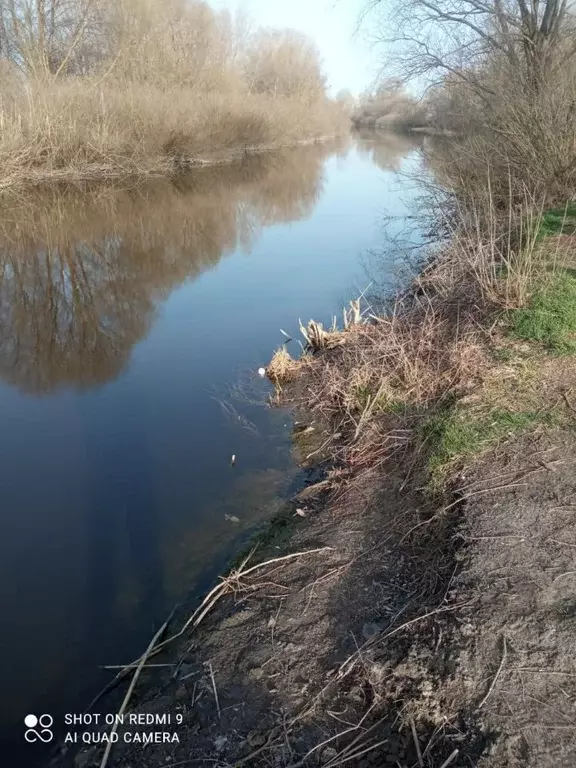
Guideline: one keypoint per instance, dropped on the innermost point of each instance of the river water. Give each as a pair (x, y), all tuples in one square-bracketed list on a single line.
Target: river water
[(132, 322)]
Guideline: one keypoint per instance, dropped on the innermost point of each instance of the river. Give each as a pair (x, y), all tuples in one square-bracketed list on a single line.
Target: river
[(132, 323)]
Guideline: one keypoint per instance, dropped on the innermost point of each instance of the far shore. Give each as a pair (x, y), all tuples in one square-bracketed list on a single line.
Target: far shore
[(158, 167)]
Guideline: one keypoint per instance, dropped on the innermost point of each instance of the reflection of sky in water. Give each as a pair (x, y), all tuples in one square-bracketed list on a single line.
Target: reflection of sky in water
[(128, 326)]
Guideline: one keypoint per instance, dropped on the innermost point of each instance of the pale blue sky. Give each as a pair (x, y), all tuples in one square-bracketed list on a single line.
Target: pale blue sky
[(348, 59)]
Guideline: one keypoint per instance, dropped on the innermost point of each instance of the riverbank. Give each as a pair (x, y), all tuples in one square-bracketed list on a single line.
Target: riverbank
[(79, 133), (414, 607), (150, 167)]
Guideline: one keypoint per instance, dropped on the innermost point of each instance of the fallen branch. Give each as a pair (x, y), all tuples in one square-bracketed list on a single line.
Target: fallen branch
[(131, 689)]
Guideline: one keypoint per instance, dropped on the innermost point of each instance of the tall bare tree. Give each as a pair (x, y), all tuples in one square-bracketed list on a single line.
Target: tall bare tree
[(45, 37), (530, 37), (284, 63)]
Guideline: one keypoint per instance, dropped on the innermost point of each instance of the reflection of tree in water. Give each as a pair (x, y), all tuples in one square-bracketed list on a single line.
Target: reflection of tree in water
[(68, 315), (385, 148), (81, 272)]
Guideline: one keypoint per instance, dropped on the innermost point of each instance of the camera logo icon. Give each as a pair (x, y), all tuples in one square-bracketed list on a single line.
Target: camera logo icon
[(38, 728)]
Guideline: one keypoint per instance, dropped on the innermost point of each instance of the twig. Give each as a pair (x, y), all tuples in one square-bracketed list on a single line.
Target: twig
[(568, 573), (497, 675), (542, 671), (416, 742), (325, 444), (568, 403), (125, 671), (451, 759), (215, 691), (366, 731), (378, 639), (565, 543), (323, 744), (461, 500), (131, 689), (342, 759), (271, 737)]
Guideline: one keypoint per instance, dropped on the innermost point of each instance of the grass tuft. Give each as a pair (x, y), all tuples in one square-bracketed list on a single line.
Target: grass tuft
[(456, 435), (549, 317), (282, 367), (558, 221)]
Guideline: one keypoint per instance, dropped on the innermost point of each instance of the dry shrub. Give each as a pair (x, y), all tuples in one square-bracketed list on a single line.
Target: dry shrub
[(389, 106), (368, 387), (524, 138), (147, 85), (90, 128)]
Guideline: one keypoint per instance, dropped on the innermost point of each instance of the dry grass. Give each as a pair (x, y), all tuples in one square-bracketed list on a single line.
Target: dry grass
[(283, 368), (494, 257), (137, 86), (88, 129), (369, 386)]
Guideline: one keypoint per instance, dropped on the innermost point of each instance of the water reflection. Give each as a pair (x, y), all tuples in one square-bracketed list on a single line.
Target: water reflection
[(81, 273), (385, 149)]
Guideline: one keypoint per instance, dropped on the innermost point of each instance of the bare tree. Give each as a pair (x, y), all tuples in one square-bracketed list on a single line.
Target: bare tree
[(44, 37), (531, 38), (284, 63)]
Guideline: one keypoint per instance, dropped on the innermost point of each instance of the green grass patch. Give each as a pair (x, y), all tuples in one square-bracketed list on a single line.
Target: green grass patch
[(550, 316), (364, 397), (457, 435), (559, 221)]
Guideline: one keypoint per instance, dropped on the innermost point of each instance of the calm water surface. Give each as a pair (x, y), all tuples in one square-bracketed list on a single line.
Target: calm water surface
[(129, 320)]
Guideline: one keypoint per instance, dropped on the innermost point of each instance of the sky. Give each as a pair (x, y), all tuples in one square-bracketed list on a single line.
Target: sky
[(348, 58)]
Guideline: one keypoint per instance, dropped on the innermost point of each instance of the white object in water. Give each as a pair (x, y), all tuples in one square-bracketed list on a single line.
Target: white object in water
[(261, 371)]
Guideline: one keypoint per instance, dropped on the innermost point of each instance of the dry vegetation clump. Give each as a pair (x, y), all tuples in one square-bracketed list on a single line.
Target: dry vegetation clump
[(381, 374), (318, 338), (283, 368), (90, 88)]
